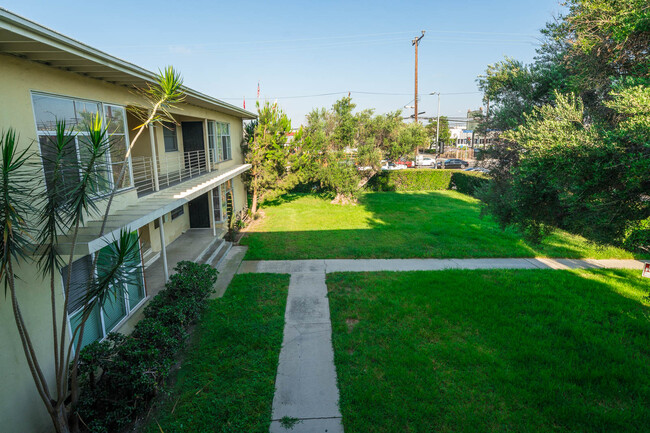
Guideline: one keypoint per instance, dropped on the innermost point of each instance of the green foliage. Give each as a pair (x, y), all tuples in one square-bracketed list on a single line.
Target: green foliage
[(121, 374), (267, 151), (412, 180), (424, 179), (444, 137), (576, 153), (572, 174), (343, 151), (227, 379), (469, 182)]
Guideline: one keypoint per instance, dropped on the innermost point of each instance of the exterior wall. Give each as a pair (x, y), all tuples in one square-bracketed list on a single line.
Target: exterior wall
[(173, 229), (21, 409)]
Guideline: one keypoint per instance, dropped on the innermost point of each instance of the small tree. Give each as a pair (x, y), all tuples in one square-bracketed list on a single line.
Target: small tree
[(62, 209), (268, 153), (444, 137)]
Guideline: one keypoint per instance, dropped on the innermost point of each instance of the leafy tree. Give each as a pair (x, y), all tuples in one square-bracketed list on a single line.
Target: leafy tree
[(343, 150), (410, 137), (62, 208), (575, 150), (444, 137), (268, 153)]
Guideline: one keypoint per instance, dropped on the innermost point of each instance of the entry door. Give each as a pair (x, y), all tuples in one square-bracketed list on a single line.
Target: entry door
[(200, 212), (193, 142)]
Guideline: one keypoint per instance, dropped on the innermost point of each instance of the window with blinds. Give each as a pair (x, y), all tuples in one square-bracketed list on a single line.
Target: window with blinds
[(77, 113), (119, 304)]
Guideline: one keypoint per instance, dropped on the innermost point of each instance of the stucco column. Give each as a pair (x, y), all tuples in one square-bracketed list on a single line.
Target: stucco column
[(163, 248), (154, 160), (206, 144), (213, 223)]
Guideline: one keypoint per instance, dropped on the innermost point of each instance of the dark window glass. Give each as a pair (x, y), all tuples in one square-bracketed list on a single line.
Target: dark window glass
[(169, 134), (178, 212)]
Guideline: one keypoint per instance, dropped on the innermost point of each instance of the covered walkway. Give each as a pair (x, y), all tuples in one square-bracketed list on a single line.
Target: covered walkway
[(189, 246)]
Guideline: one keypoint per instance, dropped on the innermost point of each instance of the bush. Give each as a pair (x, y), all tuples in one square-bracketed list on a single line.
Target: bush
[(468, 182), (412, 180), (121, 374)]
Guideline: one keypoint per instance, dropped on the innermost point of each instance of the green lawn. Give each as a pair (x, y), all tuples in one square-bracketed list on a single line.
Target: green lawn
[(443, 224), (227, 381), (487, 351)]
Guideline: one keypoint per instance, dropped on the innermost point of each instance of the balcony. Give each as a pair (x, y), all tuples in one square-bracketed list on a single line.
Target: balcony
[(153, 174)]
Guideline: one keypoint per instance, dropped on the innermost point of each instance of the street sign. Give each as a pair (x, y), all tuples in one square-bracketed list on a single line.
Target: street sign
[(646, 270)]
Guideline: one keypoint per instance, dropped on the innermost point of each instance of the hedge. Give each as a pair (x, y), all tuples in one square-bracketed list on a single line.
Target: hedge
[(411, 180), (427, 180), (468, 182), (121, 374)]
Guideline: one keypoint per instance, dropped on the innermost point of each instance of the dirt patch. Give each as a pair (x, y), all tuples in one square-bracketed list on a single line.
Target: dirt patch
[(254, 222), (351, 324)]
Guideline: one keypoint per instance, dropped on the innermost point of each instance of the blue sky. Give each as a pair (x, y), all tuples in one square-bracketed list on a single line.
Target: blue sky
[(305, 48)]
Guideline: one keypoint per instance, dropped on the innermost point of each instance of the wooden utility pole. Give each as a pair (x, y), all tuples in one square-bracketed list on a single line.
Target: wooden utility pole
[(416, 42)]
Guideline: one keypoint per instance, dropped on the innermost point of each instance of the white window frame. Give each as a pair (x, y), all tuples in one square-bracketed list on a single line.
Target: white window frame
[(101, 104), (217, 144)]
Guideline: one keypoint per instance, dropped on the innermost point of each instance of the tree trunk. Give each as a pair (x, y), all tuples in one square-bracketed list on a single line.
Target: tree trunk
[(254, 203), (60, 420), (344, 199)]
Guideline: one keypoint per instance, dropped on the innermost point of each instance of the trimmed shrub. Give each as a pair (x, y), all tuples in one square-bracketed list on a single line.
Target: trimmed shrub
[(468, 182), (412, 180), (121, 374)]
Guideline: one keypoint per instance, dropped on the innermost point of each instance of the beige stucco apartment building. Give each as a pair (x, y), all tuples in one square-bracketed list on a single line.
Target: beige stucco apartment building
[(179, 179)]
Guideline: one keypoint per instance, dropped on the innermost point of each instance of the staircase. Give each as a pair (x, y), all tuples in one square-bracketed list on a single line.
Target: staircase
[(215, 253)]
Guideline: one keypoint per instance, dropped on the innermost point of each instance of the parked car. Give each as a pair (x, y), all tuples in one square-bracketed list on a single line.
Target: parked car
[(393, 166), (426, 161), (453, 163), (407, 163)]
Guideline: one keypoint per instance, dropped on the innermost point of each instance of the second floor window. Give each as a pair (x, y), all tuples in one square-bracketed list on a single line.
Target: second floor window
[(170, 137), (76, 113), (219, 140)]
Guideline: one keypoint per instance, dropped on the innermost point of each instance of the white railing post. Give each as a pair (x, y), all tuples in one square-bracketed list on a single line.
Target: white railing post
[(163, 248)]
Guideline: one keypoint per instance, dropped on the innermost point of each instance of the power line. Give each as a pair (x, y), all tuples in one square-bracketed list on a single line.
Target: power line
[(358, 92)]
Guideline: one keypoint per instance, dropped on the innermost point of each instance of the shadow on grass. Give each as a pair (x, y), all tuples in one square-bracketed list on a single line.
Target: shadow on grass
[(439, 224)]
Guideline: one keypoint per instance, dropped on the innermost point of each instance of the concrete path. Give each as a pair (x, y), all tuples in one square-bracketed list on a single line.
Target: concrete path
[(305, 385), (375, 265), (306, 392)]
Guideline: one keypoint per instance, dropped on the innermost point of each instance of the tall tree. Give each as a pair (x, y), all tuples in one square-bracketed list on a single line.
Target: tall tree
[(269, 154), (576, 153)]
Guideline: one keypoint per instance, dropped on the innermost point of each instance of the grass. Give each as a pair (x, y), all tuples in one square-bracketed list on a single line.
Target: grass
[(227, 381), (441, 224), (501, 350)]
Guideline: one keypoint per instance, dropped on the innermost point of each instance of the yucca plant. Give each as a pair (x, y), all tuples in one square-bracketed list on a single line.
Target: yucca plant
[(31, 229), (161, 96)]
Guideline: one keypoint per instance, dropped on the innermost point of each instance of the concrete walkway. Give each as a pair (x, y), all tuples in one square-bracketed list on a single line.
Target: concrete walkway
[(305, 386), (376, 265)]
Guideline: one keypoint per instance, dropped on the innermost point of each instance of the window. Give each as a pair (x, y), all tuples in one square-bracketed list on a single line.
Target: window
[(76, 114), (120, 303), (178, 212), (170, 137), (219, 140)]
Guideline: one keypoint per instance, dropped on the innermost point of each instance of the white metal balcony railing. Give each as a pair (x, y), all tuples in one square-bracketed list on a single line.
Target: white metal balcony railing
[(171, 170)]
